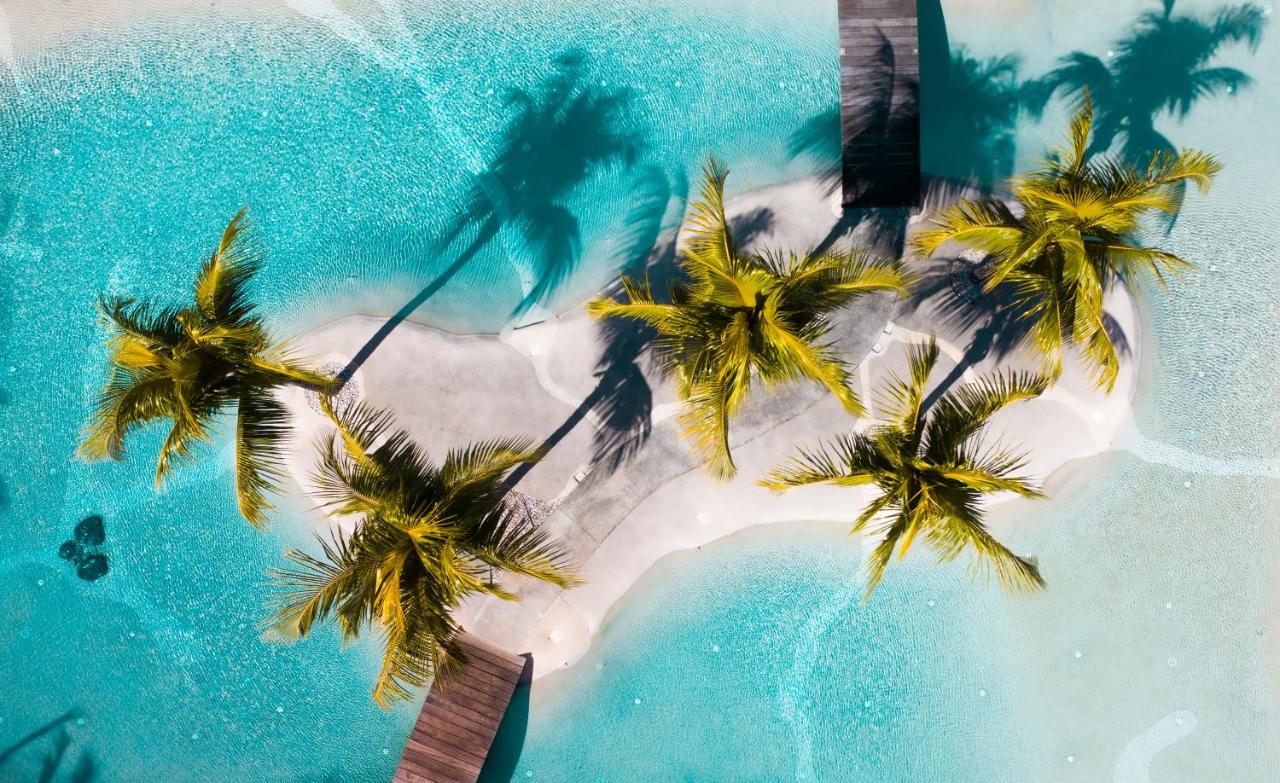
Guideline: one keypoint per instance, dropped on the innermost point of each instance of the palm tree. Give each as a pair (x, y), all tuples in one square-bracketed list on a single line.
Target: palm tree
[(741, 315), (426, 537), (1163, 65), (188, 365), (1075, 236), (932, 470)]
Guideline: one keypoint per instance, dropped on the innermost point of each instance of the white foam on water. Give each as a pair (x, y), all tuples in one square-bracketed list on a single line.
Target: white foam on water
[(795, 687), (1134, 765), (408, 61), (7, 53), (1155, 452)]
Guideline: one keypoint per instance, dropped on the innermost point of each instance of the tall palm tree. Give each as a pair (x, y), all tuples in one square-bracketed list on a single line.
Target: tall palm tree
[(189, 365), (1164, 65), (932, 469), (1076, 234), (426, 537), (741, 315)]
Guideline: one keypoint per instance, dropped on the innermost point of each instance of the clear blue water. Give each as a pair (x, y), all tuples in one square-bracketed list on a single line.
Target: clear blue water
[(753, 660), (121, 159), (357, 155)]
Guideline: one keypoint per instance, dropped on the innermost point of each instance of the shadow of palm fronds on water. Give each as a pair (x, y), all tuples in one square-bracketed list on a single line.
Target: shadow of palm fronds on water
[(85, 768), (1162, 67), (557, 136)]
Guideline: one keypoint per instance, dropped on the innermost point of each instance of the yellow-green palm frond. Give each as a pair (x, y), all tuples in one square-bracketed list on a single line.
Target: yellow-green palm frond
[(985, 225), (278, 364), (994, 474), (1041, 304), (1199, 168), (789, 356), (640, 305), (965, 409), (262, 425), (220, 293), (710, 257), (846, 461), (900, 400), (707, 226), (188, 429), (311, 590), (1072, 157), (966, 532), (705, 421), (1133, 264), (882, 555), (507, 540), (130, 400)]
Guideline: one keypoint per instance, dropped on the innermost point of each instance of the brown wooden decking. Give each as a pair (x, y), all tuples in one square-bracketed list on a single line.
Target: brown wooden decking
[(879, 103), (457, 724)]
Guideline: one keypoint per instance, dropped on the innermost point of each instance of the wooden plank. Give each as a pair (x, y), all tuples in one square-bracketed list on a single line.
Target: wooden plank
[(879, 103), (459, 720)]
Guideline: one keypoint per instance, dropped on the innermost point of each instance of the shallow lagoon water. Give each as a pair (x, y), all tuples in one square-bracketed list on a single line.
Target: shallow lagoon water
[(1151, 656), (124, 157), (358, 154)]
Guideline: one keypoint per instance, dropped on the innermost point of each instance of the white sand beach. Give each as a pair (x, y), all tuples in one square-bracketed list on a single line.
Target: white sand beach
[(448, 390)]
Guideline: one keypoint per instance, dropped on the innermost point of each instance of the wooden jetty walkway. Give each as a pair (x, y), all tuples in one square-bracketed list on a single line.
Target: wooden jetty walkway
[(457, 724), (879, 103)]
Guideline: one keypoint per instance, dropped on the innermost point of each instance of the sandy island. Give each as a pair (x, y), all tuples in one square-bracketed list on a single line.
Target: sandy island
[(624, 488)]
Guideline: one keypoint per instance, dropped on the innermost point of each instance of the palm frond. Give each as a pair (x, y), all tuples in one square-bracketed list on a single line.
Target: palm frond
[(846, 460), (220, 287), (262, 425)]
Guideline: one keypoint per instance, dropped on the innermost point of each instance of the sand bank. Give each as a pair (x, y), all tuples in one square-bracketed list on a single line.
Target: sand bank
[(628, 490)]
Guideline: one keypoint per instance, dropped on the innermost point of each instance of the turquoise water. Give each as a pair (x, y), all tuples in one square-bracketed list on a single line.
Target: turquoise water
[(1152, 655), (359, 154)]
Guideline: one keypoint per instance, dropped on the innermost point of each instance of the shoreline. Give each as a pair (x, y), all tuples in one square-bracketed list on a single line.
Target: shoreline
[(618, 526)]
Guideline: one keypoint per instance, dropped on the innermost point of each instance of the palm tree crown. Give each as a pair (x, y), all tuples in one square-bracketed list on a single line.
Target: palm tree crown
[(426, 536), (188, 365), (741, 314), (932, 470), (1074, 236)]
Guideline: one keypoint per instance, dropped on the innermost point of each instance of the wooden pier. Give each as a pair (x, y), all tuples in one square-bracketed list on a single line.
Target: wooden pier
[(879, 103), (457, 724)]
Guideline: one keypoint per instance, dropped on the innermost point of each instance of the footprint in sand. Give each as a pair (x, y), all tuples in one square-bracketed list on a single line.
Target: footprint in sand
[(1134, 765)]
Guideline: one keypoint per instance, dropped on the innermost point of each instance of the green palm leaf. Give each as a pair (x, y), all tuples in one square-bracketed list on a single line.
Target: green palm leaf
[(1075, 234), (930, 468), (745, 317), (187, 366), (426, 538)]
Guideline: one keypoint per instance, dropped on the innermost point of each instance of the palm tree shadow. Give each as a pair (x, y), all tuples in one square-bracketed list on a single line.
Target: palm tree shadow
[(48, 728), (557, 136), (86, 767), (622, 400), (953, 289), (1163, 66)]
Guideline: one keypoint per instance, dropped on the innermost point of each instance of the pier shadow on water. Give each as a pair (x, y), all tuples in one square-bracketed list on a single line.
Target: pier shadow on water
[(508, 744)]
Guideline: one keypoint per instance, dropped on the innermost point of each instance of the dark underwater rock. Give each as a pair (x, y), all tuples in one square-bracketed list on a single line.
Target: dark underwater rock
[(69, 550), (89, 532), (92, 567)]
